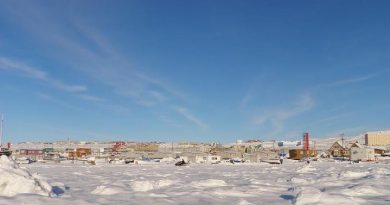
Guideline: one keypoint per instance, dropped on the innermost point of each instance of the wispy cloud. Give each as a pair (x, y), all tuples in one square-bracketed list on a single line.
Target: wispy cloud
[(190, 117), (38, 74), (353, 80), (169, 121), (88, 51), (92, 53), (66, 87), (331, 119), (92, 98), (51, 99), (278, 116), (346, 131), (11, 65), (110, 67), (246, 99)]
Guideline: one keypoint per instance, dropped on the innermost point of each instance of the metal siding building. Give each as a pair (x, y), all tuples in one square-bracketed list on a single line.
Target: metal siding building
[(381, 138)]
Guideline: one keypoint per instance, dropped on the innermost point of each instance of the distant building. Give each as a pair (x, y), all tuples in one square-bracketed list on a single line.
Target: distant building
[(299, 154), (31, 153), (48, 150), (290, 144), (251, 157), (380, 138), (185, 147), (212, 159), (339, 149), (270, 145), (79, 153), (379, 151), (362, 154), (143, 147)]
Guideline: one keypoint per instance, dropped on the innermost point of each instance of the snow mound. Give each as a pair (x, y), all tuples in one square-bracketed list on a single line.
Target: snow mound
[(331, 169), (103, 190), (364, 190), (313, 196), (306, 169), (298, 180), (209, 183), (143, 186), (308, 196), (15, 180), (351, 174), (232, 193), (244, 202), (381, 171)]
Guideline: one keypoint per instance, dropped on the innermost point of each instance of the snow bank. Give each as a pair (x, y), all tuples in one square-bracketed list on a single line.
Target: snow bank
[(298, 180), (364, 183), (313, 196), (308, 196), (351, 174), (15, 180), (143, 186), (232, 193), (380, 171), (364, 190), (209, 183), (103, 190), (306, 169)]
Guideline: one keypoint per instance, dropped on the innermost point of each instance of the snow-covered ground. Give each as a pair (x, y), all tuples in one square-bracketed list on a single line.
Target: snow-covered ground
[(290, 183)]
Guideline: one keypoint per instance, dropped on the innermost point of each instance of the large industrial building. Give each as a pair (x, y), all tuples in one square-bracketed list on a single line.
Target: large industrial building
[(380, 138)]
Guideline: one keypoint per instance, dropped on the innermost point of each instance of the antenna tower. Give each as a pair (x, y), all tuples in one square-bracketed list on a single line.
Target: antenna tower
[(1, 129)]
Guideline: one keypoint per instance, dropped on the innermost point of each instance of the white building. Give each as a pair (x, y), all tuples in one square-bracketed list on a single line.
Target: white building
[(362, 154), (289, 144), (212, 159), (269, 145)]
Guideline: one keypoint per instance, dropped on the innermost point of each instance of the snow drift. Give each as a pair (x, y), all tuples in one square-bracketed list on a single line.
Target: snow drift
[(143, 186), (15, 180)]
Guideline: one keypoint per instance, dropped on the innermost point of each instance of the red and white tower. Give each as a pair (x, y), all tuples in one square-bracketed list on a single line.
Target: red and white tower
[(306, 144)]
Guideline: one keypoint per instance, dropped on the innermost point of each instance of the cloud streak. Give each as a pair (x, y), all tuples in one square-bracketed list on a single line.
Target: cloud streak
[(89, 52), (352, 80), (278, 116), (190, 117), (28, 71), (38, 74), (92, 98), (53, 100)]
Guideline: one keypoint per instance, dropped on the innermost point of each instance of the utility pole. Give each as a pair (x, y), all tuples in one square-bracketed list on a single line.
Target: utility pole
[(342, 139), (1, 130)]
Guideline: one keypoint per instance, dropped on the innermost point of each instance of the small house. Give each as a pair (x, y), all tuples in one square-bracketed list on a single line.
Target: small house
[(298, 154), (362, 154), (251, 157), (339, 150), (31, 153), (379, 151), (48, 150), (213, 159), (83, 152)]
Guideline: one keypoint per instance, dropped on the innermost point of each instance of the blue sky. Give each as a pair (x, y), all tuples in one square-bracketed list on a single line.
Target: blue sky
[(211, 71)]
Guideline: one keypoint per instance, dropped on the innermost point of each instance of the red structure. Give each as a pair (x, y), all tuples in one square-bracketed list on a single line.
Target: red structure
[(306, 145), (117, 145)]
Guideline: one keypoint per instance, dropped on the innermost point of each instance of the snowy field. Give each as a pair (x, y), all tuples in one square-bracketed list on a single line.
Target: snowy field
[(290, 183)]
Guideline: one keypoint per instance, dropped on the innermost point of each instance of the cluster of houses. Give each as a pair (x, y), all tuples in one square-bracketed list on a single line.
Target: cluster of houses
[(248, 151), (376, 145), (356, 151)]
